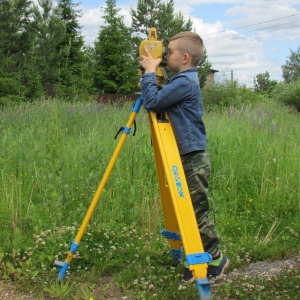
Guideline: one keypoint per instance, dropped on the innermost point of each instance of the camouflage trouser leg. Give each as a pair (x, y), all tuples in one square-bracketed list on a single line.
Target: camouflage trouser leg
[(197, 170)]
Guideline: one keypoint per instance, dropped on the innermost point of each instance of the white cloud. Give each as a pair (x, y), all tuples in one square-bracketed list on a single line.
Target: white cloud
[(90, 21), (245, 50)]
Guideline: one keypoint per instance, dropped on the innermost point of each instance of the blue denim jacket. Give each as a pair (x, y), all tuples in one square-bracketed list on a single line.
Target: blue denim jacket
[(181, 98)]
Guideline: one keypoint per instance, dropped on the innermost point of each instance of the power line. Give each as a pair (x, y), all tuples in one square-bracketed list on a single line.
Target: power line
[(235, 38), (251, 25), (260, 29)]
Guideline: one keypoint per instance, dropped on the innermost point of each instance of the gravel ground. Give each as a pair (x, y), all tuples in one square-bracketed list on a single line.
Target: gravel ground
[(258, 269)]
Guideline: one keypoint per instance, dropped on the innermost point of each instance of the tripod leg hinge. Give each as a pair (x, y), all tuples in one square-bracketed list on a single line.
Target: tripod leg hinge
[(171, 235)]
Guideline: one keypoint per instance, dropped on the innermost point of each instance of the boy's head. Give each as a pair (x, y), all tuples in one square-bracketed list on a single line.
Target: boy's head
[(184, 51)]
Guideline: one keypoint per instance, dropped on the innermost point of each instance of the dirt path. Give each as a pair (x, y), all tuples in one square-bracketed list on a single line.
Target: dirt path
[(263, 269)]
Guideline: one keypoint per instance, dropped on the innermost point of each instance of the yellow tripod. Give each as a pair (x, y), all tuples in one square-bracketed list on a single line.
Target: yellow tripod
[(180, 222)]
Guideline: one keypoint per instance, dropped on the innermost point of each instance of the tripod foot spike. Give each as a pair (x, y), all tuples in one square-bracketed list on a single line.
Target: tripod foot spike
[(203, 288), (62, 267)]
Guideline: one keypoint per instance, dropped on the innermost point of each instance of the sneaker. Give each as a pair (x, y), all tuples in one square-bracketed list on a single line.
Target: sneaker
[(216, 270), (188, 276)]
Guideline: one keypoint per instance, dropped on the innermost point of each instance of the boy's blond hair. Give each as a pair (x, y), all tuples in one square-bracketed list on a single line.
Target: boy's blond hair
[(191, 43)]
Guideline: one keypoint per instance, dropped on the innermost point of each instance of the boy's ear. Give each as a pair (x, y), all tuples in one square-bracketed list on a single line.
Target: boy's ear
[(186, 58)]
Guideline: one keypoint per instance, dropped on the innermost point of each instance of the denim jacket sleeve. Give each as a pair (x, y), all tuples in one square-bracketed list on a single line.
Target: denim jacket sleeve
[(176, 89)]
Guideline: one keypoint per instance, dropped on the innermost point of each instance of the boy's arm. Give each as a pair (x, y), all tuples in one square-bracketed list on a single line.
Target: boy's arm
[(170, 94), (154, 99)]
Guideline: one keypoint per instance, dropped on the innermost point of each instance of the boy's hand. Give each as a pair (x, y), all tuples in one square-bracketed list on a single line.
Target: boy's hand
[(148, 62)]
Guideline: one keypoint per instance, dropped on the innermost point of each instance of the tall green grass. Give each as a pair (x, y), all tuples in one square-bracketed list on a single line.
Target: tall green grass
[(52, 158), (255, 182), (56, 153)]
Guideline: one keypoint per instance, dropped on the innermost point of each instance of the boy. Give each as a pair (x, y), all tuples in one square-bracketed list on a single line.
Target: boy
[(181, 98)]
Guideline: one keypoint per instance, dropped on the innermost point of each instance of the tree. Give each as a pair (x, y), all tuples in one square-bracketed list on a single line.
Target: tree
[(71, 45), (263, 84), (15, 37), (145, 16), (15, 40), (72, 64), (50, 32), (204, 68), (115, 70), (291, 70)]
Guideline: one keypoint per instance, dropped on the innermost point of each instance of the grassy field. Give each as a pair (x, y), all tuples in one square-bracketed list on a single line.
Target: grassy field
[(53, 155)]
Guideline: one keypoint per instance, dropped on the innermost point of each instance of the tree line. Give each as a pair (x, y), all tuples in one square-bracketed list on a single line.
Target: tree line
[(42, 50)]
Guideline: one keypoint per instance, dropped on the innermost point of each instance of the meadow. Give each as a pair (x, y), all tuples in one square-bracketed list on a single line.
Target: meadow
[(53, 155)]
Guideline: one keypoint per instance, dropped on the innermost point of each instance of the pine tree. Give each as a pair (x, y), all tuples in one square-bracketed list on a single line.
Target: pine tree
[(15, 40), (71, 45), (145, 16), (115, 70), (71, 66), (50, 32)]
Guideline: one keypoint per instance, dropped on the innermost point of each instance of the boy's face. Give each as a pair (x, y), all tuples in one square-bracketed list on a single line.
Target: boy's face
[(177, 61), (174, 57)]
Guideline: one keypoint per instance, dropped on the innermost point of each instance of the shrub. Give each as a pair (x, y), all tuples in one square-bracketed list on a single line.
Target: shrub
[(288, 94), (228, 94)]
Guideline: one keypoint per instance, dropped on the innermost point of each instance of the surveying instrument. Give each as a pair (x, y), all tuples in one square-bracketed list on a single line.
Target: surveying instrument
[(181, 230)]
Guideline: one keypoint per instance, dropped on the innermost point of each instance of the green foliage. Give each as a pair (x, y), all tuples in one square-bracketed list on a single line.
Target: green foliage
[(115, 70), (16, 37), (145, 16), (72, 65), (288, 94), (8, 86), (50, 31), (228, 94), (263, 84), (71, 45), (291, 70)]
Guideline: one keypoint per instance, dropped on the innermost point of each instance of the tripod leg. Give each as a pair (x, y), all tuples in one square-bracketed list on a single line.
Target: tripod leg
[(63, 266), (179, 216)]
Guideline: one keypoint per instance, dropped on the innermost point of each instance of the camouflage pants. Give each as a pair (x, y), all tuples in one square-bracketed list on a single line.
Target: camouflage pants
[(197, 169)]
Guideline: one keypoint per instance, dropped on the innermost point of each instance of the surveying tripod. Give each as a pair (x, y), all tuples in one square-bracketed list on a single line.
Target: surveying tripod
[(181, 228)]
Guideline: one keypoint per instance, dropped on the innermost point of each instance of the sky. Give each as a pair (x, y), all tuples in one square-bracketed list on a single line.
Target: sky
[(242, 38)]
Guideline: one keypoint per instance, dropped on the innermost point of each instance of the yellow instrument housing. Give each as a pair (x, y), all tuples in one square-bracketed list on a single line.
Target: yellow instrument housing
[(155, 48)]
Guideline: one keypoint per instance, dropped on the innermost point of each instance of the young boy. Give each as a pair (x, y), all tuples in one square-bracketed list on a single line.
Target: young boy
[(181, 98)]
